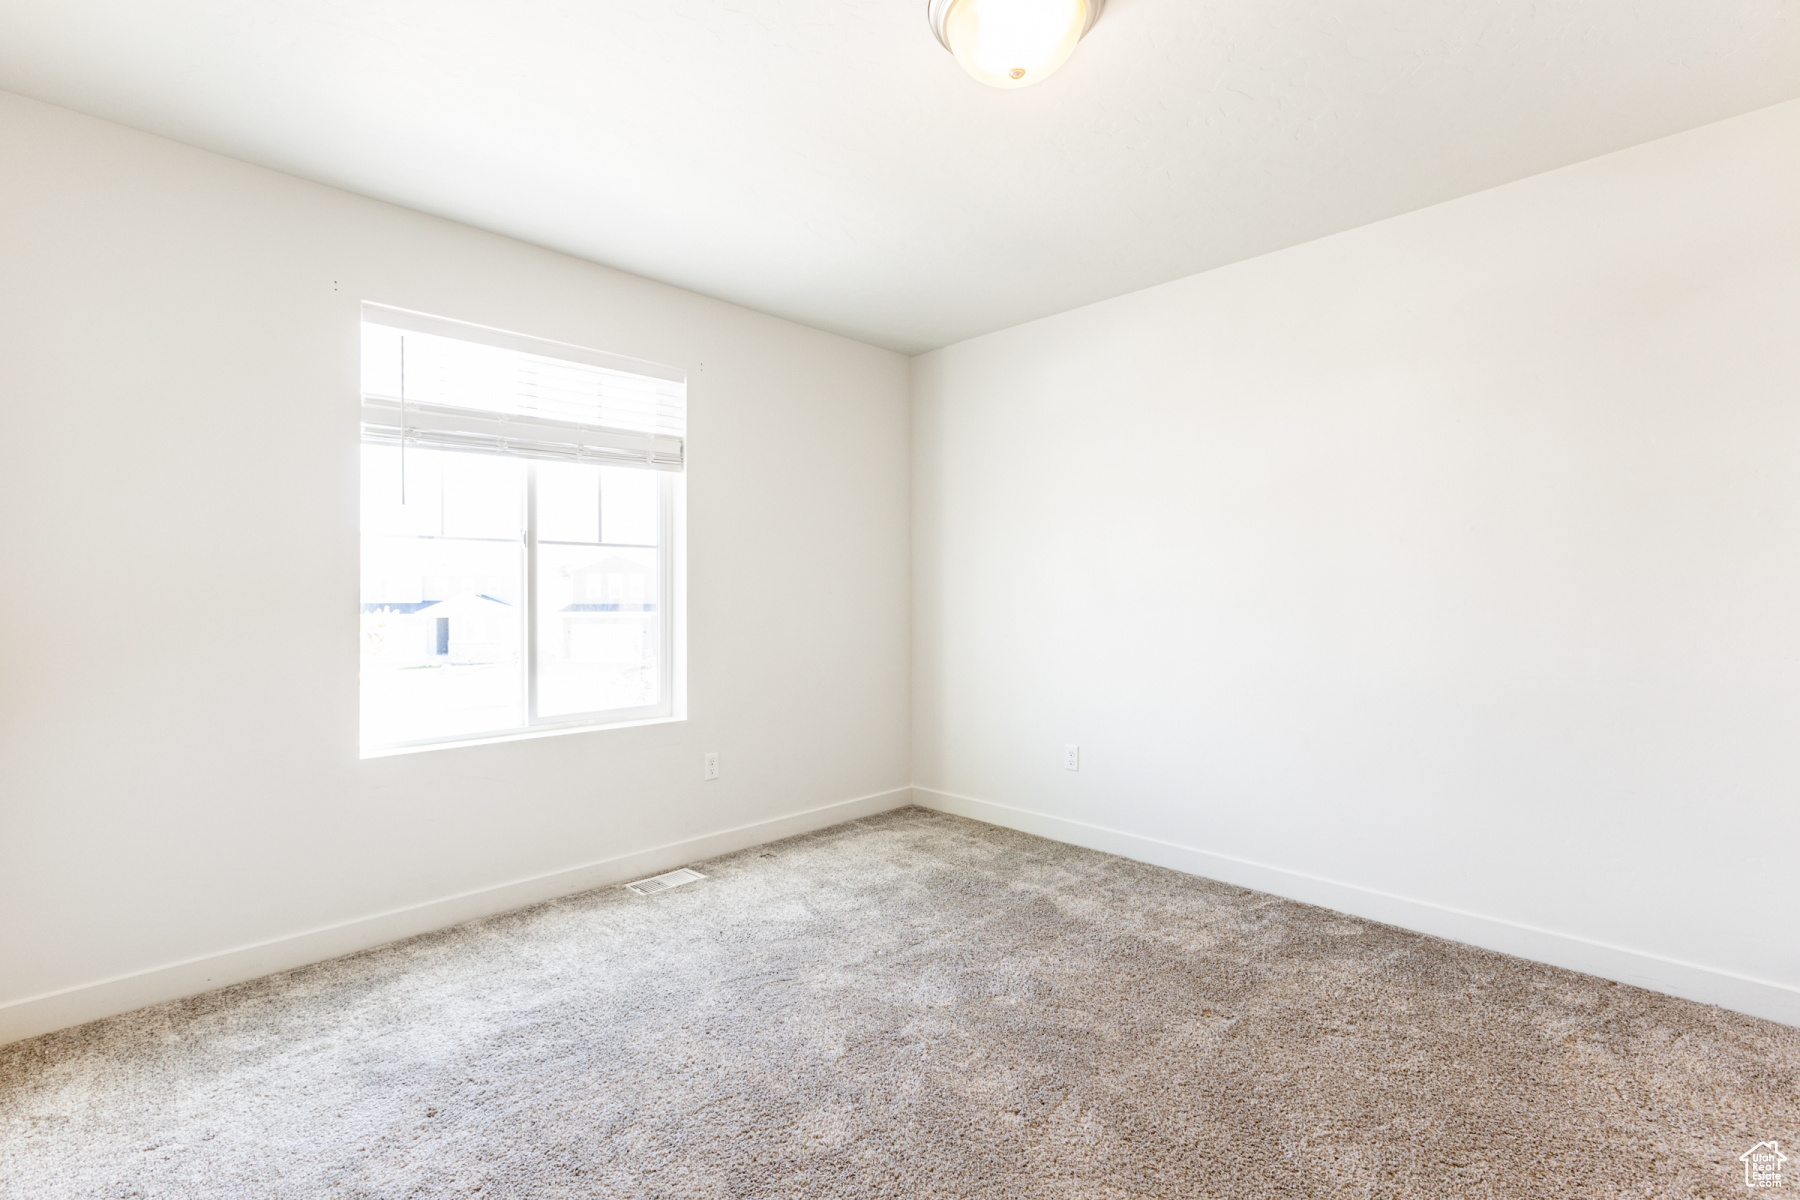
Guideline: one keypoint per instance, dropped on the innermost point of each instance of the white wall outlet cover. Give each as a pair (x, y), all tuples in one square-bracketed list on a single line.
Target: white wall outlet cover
[(1071, 758), (710, 765)]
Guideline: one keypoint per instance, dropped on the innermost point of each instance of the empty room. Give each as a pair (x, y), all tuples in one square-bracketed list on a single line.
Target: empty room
[(851, 599)]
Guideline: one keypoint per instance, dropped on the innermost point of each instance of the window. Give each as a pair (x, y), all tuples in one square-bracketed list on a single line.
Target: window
[(519, 533)]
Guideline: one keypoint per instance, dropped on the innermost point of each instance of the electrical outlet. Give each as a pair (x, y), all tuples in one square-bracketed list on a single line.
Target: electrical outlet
[(710, 765), (1071, 758)]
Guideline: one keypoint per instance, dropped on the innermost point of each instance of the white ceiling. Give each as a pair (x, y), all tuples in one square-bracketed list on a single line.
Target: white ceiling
[(826, 160)]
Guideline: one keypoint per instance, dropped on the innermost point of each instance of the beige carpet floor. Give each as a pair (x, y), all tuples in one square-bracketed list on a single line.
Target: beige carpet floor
[(908, 1006)]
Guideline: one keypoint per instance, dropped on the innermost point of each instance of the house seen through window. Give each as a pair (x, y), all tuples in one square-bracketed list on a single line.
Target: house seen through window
[(518, 532)]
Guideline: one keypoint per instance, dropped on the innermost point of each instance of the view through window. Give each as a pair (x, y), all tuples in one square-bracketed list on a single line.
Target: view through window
[(517, 528)]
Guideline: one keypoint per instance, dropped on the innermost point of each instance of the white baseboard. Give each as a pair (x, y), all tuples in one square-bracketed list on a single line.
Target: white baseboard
[(108, 997), (1740, 993), (87, 1002)]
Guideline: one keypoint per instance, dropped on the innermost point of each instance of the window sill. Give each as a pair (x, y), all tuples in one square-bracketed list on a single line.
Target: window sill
[(522, 735)]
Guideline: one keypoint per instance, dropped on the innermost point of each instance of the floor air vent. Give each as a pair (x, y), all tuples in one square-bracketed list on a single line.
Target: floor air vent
[(662, 883)]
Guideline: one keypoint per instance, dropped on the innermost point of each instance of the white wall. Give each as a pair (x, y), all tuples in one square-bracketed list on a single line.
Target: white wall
[(181, 801), (1445, 571)]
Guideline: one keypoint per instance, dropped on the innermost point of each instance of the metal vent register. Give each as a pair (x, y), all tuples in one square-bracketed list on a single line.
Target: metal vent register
[(662, 883)]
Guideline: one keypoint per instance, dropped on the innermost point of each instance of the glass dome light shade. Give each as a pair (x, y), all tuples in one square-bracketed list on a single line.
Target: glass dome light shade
[(1012, 43)]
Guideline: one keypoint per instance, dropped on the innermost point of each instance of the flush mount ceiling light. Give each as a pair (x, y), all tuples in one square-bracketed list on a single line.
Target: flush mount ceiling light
[(1011, 43)]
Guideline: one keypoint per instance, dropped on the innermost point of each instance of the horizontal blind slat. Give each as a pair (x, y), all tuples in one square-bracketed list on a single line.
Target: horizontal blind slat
[(435, 427), (463, 394)]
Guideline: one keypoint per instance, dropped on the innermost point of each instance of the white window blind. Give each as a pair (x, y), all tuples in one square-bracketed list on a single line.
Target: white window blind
[(442, 385)]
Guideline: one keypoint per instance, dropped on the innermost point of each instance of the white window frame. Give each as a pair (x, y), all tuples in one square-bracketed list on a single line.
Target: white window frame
[(672, 582), (666, 585)]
